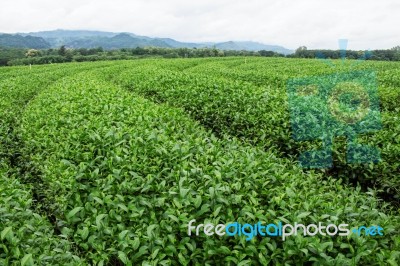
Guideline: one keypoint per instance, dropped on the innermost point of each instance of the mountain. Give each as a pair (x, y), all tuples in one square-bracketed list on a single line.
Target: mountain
[(122, 40), (113, 40), (57, 38), (251, 46), (176, 44), (19, 41)]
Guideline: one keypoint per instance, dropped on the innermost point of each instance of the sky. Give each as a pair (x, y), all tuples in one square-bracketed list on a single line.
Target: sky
[(367, 24)]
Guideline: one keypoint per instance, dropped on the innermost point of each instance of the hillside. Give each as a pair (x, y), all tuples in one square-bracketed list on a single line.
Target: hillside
[(19, 41), (114, 40), (122, 40)]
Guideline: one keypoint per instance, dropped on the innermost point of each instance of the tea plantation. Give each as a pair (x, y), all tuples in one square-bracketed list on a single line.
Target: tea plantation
[(106, 163)]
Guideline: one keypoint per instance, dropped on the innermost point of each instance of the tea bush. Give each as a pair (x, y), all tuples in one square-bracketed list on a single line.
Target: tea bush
[(229, 103), (126, 175), (26, 235)]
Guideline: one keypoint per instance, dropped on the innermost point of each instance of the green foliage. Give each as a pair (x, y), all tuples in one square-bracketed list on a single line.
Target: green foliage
[(257, 109), (93, 174), (382, 55), (52, 59), (27, 236), (14, 57), (8, 54)]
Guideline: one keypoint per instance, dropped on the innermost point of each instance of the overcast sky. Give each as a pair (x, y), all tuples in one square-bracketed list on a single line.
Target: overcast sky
[(367, 24)]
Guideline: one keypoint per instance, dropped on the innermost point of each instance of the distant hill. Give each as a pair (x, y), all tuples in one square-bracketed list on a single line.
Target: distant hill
[(251, 46), (19, 41), (57, 38), (177, 44), (112, 40), (122, 40)]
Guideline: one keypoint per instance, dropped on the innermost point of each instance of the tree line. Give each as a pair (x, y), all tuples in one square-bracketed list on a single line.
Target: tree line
[(383, 55), (15, 56)]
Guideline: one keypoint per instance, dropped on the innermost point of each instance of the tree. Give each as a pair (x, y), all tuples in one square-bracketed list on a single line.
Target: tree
[(68, 56), (301, 51), (266, 53), (32, 53), (62, 51), (397, 48)]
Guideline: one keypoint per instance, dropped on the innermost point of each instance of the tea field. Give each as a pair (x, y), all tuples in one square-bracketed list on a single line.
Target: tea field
[(106, 163)]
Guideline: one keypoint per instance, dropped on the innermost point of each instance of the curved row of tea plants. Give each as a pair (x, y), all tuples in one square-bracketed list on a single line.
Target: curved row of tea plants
[(126, 175), (25, 232), (385, 175), (260, 113)]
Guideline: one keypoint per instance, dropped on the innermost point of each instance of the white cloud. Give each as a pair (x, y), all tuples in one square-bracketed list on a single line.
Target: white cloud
[(315, 23)]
